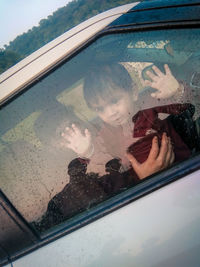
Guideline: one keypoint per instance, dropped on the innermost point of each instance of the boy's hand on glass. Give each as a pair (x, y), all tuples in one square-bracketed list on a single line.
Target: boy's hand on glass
[(158, 159), (76, 140), (165, 83)]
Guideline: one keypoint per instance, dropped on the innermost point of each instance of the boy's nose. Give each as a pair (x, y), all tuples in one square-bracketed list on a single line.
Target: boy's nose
[(110, 111)]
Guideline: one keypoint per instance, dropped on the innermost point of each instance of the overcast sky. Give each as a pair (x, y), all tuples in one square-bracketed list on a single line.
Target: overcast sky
[(18, 16)]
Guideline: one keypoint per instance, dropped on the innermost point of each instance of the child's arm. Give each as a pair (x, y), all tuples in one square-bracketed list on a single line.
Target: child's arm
[(158, 159), (166, 84)]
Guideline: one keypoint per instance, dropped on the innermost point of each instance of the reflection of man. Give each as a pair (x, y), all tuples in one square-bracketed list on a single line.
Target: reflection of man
[(40, 171), (82, 192), (115, 180)]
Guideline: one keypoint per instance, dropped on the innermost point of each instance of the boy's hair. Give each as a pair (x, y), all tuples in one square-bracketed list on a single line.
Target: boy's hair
[(101, 83)]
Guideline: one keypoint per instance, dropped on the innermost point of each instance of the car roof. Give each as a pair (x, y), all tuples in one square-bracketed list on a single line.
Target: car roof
[(156, 12), (154, 4)]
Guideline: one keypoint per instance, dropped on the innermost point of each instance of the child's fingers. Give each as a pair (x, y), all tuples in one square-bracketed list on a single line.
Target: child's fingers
[(69, 136), (151, 75), (148, 83), (157, 70), (69, 131), (65, 144), (158, 95), (87, 134), (155, 95), (76, 129), (167, 70), (64, 135), (70, 145)]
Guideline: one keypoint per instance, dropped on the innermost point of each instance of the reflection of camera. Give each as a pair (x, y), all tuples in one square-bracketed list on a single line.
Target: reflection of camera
[(113, 165), (195, 80)]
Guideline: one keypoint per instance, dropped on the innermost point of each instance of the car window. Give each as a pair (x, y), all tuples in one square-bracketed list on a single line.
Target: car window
[(82, 133)]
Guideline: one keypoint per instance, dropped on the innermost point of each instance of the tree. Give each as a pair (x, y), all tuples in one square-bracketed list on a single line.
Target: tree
[(59, 22)]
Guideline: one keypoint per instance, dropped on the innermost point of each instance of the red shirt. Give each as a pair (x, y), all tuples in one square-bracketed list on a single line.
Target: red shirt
[(146, 121)]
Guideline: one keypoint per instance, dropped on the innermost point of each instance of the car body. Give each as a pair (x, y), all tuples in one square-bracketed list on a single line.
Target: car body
[(156, 222)]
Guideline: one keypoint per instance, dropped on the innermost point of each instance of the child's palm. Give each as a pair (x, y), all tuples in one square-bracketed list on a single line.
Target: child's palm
[(76, 140), (165, 83)]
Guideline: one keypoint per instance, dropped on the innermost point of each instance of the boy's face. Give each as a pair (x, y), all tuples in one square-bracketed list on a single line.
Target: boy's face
[(117, 110)]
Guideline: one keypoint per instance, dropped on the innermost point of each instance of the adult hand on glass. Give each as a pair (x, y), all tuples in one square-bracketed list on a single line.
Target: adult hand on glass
[(158, 159), (76, 140), (165, 83)]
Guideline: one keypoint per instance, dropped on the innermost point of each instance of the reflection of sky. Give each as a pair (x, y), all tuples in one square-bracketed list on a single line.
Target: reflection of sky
[(163, 225), (159, 229), (18, 16)]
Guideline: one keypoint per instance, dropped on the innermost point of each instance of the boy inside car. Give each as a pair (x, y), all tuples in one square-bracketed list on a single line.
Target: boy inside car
[(108, 90), (131, 143)]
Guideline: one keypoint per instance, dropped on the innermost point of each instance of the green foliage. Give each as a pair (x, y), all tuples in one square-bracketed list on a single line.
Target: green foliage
[(7, 59), (59, 22)]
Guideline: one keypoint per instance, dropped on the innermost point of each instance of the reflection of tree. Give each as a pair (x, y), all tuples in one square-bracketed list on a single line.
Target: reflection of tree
[(50, 28)]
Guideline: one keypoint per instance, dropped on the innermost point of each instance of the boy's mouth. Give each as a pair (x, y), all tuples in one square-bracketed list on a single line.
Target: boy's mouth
[(118, 120)]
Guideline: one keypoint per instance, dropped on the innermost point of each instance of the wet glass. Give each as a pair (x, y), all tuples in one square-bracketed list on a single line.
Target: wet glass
[(64, 141)]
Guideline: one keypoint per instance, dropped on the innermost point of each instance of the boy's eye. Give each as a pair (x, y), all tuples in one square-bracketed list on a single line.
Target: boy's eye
[(114, 101)]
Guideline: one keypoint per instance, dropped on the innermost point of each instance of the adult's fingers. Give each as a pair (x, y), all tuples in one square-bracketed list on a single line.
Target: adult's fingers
[(169, 153), (154, 152), (163, 149), (172, 158)]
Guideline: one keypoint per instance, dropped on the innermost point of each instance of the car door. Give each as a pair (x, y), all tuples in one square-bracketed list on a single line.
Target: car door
[(148, 222)]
